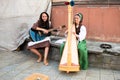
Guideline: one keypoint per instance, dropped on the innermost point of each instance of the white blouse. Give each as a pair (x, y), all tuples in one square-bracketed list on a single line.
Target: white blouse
[(82, 34)]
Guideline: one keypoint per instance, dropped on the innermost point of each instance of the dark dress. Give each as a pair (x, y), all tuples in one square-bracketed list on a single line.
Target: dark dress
[(38, 40)]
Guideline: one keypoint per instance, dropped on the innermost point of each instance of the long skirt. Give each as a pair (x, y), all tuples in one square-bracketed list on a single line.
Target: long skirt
[(37, 40), (82, 52), (39, 44)]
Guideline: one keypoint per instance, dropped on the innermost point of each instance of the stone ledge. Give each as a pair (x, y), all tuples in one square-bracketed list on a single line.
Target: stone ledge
[(96, 55), (93, 46)]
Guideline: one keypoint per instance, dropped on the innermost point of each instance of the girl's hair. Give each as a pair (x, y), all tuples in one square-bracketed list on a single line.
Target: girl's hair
[(81, 18), (80, 23), (43, 24)]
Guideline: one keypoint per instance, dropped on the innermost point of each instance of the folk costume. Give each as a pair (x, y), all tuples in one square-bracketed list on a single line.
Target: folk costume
[(82, 49)]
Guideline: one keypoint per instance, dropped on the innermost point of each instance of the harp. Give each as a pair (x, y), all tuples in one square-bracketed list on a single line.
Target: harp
[(69, 60)]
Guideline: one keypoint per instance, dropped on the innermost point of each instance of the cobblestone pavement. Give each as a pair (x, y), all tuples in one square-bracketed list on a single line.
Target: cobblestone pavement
[(18, 65)]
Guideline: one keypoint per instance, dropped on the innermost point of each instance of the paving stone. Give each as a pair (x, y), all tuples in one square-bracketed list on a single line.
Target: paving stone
[(107, 77), (80, 75), (21, 76), (106, 72), (92, 78), (7, 69), (21, 64), (117, 76)]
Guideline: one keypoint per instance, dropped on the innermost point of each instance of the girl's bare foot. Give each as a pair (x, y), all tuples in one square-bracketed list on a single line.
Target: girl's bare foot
[(39, 59), (46, 62)]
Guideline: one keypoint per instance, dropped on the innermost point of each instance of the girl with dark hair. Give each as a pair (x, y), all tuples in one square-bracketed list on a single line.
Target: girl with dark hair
[(39, 34), (80, 36)]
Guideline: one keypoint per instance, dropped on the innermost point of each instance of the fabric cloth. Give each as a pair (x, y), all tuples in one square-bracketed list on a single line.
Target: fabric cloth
[(16, 19), (83, 54), (39, 44)]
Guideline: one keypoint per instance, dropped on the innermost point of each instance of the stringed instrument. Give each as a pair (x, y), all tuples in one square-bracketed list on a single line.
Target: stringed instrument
[(69, 60), (36, 35)]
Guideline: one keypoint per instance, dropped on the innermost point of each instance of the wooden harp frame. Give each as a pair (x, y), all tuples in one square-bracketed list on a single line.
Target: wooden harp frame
[(69, 60)]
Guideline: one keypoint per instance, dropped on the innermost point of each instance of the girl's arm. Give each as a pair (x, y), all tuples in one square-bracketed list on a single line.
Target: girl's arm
[(35, 27), (41, 29)]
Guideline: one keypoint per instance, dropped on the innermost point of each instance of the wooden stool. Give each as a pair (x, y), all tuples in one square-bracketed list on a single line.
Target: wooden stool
[(37, 76)]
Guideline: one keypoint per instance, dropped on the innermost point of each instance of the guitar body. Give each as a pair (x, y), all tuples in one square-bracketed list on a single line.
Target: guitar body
[(39, 35)]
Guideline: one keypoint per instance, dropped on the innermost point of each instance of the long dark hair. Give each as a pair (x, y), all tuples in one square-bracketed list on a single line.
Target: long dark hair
[(43, 24), (80, 23)]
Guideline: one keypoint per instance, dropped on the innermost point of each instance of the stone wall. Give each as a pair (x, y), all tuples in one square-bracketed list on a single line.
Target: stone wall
[(102, 60)]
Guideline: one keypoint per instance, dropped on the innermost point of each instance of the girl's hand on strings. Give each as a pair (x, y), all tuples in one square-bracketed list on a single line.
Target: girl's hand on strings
[(66, 32), (75, 34)]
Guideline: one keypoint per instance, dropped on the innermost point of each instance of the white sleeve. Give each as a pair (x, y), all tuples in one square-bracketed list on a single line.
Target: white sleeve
[(82, 34), (49, 24)]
